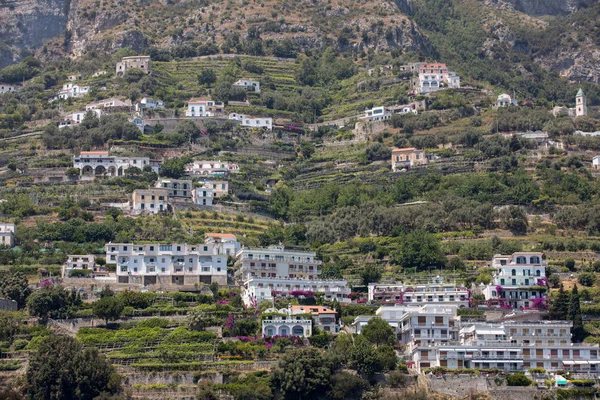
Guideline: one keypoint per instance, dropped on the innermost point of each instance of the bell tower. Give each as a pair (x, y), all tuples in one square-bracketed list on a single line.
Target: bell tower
[(580, 104)]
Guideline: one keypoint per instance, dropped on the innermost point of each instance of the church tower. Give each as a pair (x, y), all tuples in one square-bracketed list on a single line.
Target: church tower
[(580, 104)]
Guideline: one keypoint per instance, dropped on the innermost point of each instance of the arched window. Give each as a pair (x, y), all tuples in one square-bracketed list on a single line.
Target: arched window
[(535, 260), (521, 260), (514, 272), (538, 273)]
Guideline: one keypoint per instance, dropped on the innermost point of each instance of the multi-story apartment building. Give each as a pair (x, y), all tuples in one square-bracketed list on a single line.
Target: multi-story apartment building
[(7, 234), (323, 317), (82, 262), (416, 324), (223, 243), (519, 280), (435, 292), (211, 168), (203, 196), (204, 107), (278, 262), (100, 163), (511, 346), (174, 264), (149, 201), (176, 188), (256, 289)]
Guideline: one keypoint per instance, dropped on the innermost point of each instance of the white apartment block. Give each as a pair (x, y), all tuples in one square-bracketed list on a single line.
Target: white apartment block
[(430, 293), (278, 262), (176, 188), (149, 104), (8, 88), (204, 107), (7, 234), (149, 201), (170, 264), (223, 243), (257, 289), (252, 122), (203, 196), (415, 325), (82, 262), (519, 280), (376, 114), (511, 346), (249, 85), (100, 163), (211, 168)]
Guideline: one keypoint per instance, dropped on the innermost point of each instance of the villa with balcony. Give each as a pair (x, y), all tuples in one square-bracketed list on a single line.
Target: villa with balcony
[(518, 282), (434, 292)]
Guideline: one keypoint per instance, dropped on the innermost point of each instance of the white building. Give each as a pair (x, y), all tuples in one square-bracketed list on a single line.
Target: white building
[(519, 281), (84, 263), (426, 83), (76, 118), (70, 90), (149, 201), (418, 324), (170, 264), (203, 196), (286, 325), (433, 77), (376, 114), (428, 293), (504, 100), (257, 289), (278, 262), (8, 88), (100, 163), (7, 234), (212, 168), (596, 162), (149, 104), (249, 85), (223, 243), (138, 122), (253, 122), (511, 346), (99, 73), (204, 107), (591, 134)]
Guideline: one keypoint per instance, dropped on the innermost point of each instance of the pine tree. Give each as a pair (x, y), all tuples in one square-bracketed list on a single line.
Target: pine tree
[(559, 307), (575, 316)]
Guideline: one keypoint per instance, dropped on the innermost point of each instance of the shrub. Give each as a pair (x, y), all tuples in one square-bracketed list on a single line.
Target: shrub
[(518, 379), (587, 279), (397, 379)]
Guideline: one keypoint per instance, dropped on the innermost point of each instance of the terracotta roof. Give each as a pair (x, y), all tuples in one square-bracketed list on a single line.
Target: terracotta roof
[(94, 153), (312, 309), (404, 149), (221, 235)]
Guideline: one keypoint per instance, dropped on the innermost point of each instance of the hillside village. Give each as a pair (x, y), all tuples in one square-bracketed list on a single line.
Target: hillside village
[(340, 223)]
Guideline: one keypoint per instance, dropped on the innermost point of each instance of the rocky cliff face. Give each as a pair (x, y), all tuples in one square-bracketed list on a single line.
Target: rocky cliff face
[(25, 25), (542, 7)]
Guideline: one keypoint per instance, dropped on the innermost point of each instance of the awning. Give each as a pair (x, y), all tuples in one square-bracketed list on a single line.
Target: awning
[(497, 361), (568, 362), (581, 362), (594, 361), (490, 331)]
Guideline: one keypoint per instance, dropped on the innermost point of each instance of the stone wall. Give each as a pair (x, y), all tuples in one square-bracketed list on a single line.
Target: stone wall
[(465, 385)]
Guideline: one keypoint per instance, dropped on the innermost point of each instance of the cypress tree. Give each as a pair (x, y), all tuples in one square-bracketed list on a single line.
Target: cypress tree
[(575, 316), (559, 308)]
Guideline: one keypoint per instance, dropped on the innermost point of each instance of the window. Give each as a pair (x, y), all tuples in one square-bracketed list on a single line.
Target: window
[(514, 272), (124, 248), (151, 248)]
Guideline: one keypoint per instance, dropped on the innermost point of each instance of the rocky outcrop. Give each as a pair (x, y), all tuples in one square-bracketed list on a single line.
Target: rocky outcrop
[(25, 25), (542, 7)]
